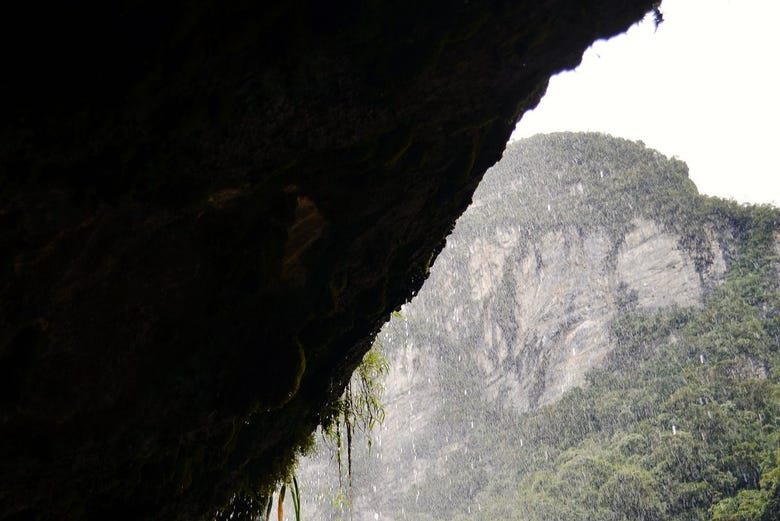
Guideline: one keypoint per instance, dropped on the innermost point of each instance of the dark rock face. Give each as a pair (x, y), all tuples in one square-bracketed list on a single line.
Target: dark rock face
[(206, 211)]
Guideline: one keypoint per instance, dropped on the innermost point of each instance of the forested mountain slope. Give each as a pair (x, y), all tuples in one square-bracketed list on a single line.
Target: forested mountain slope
[(597, 341)]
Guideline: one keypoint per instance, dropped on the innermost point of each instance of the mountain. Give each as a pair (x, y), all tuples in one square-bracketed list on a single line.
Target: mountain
[(596, 341)]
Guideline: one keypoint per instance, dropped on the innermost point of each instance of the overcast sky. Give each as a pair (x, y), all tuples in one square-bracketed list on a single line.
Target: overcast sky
[(703, 86)]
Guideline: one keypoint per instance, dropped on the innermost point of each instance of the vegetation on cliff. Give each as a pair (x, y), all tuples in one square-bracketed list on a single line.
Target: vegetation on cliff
[(589, 181), (680, 421)]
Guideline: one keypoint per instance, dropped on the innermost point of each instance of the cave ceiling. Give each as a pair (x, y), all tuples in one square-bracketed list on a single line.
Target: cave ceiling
[(207, 209)]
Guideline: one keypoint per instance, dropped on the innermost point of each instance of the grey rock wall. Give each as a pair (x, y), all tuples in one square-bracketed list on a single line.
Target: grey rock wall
[(564, 294)]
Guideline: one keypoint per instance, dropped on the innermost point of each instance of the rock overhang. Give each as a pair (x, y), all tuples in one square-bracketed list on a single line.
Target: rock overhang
[(208, 210)]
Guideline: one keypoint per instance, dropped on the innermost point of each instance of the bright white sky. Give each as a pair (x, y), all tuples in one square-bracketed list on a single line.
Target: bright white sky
[(704, 87)]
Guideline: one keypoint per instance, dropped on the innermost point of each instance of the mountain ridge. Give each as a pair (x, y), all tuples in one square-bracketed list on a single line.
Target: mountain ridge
[(530, 305)]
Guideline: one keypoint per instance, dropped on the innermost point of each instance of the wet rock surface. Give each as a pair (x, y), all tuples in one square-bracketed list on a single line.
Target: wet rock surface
[(207, 210)]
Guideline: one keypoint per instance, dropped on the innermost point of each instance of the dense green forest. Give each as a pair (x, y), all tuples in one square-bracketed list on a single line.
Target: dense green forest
[(680, 423)]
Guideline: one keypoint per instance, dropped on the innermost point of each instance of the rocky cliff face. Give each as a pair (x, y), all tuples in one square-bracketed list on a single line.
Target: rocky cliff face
[(538, 312), (518, 308), (556, 301)]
